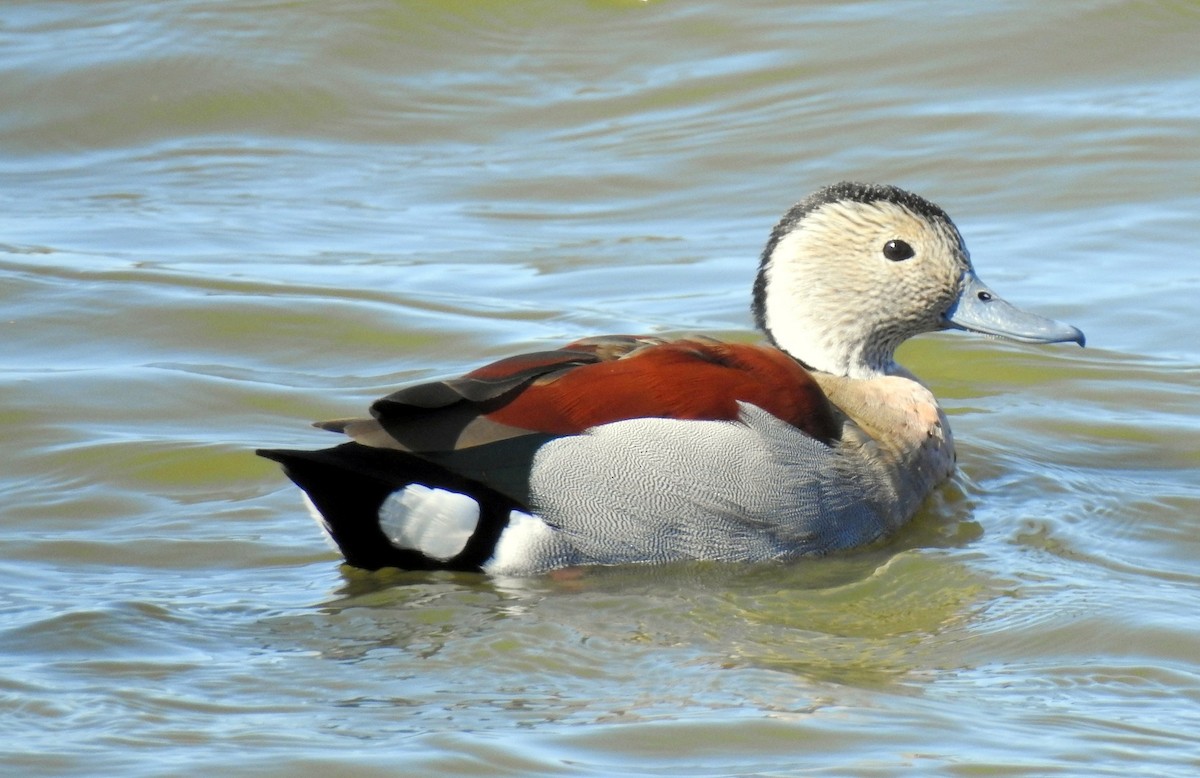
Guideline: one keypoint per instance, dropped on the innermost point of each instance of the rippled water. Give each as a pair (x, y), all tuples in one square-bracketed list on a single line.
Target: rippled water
[(221, 220)]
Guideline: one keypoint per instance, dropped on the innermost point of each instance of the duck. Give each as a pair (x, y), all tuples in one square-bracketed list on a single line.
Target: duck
[(637, 449)]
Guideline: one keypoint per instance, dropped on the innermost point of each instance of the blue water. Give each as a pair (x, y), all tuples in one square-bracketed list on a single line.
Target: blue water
[(221, 221)]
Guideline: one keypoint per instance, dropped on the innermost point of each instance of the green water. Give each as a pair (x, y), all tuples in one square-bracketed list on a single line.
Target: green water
[(219, 221)]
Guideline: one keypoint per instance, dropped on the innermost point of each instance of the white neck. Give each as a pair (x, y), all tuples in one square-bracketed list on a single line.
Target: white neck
[(804, 312), (820, 345)]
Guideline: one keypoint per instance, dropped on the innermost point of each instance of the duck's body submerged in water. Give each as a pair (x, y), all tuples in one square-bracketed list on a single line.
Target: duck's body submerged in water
[(630, 449)]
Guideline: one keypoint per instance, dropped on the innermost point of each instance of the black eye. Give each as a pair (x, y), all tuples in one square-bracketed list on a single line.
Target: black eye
[(897, 250)]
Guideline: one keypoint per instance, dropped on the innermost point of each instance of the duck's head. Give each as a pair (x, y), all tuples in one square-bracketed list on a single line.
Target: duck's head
[(854, 270)]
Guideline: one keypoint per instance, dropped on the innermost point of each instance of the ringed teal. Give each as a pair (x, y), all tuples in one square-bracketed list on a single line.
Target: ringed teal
[(635, 449)]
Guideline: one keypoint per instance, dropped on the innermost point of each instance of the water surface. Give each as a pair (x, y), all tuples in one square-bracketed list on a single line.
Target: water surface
[(220, 221)]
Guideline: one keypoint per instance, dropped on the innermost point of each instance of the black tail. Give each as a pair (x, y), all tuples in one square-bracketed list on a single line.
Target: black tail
[(349, 483)]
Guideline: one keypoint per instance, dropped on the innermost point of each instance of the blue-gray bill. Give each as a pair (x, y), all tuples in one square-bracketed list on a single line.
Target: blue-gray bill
[(981, 310)]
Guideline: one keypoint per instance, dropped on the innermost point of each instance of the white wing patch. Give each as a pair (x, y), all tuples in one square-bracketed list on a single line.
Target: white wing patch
[(435, 522)]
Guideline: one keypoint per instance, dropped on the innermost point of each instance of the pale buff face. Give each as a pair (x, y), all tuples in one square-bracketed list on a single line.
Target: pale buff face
[(837, 302)]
